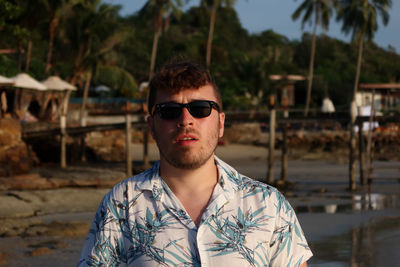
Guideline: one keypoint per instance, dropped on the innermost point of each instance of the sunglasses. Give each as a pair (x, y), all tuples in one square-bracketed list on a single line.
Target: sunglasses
[(173, 110)]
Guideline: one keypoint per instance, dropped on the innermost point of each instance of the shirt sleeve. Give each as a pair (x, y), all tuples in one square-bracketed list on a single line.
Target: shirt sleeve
[(288, 244), (104, 243)]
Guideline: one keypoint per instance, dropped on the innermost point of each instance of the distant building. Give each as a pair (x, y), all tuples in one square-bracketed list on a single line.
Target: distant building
[(364, 99), (384, 98)]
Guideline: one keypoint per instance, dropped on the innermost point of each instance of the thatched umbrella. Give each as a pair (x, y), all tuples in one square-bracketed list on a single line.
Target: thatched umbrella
[(4, 81), (23, 80), (26, 82), (55, 83)]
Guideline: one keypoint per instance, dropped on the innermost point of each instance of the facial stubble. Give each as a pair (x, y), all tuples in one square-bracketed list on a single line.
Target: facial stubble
[(184, 157)]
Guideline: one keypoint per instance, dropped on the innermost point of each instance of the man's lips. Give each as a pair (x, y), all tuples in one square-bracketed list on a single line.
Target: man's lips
[(185, 139)]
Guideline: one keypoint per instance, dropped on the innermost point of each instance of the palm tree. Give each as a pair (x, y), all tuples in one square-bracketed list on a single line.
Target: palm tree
[(91, 31), (320, 12), (160, 9), (29, 17), (11, 25), (360, 18), (55, 9), (214, 6)]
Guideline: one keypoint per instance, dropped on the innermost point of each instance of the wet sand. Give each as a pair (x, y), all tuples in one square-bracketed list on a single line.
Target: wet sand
[(342, 228)]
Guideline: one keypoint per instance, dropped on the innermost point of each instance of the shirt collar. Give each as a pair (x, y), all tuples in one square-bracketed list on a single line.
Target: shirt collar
[(228, 179), (151, 181)]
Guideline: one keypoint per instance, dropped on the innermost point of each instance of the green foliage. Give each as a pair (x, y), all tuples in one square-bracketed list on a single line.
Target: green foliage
[(360, 18), (92, 35), (321, 9), (117, 79), (8, 67)]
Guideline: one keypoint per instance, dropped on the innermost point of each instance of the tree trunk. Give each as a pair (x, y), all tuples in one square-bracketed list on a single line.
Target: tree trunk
[(359, 61), (352, 148), (157, 34), (352, 160), (84, 98), (167, 22), (52, 30), (20, 52), (211, 32), (28, 55), (311, 67)]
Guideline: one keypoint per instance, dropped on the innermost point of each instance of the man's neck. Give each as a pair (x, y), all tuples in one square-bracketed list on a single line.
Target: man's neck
[(192, 180), (193, 188)]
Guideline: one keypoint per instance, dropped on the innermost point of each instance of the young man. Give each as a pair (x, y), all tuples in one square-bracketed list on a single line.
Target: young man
[(191, 208)]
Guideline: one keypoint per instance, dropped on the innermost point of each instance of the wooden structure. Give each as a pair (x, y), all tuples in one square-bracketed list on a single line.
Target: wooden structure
[(387, 89), (25, 91), (60, 89), (286, 87), (31, 132)]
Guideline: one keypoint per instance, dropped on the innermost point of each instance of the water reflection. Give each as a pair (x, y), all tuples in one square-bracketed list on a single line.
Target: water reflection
[(360, 202), (375, 201), (374, 243), (363, 249)]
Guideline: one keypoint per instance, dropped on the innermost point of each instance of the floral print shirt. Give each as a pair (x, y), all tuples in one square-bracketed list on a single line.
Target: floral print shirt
[(140, 222)]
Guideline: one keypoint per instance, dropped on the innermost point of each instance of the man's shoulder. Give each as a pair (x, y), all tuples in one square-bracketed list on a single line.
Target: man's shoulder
[(257, 185), (240, 182), (136, 183)]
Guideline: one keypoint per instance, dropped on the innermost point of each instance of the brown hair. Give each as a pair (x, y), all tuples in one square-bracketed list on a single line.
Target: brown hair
[(178, 75)]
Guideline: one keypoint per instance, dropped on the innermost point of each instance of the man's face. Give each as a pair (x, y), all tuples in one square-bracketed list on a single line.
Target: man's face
[(187, 142)]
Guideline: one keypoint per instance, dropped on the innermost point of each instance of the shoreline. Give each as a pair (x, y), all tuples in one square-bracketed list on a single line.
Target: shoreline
[(53, 223)]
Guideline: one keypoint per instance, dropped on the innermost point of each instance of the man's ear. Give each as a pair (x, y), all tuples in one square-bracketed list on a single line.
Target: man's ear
[(221, 124)]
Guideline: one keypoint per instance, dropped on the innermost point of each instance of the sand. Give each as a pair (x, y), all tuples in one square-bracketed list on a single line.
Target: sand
[(343, 228)]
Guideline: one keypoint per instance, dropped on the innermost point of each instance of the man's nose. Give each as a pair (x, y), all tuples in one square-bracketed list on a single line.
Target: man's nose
[(185, 119)]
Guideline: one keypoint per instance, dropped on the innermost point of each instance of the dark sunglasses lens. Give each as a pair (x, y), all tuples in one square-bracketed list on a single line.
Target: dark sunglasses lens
[(200, 109), (170, 111)]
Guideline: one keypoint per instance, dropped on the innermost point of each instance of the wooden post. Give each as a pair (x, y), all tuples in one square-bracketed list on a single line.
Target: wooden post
[(371, 167), (63, 126), (369, 142), (65, 102), (83, 146), (284, 156), (53, 107), (361, 152), (352, 148), (3, 101), (82, 138), (271, 140), (128, 144)]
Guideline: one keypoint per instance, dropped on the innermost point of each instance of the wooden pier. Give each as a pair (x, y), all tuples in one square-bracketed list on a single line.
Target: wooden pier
[(32, 131)]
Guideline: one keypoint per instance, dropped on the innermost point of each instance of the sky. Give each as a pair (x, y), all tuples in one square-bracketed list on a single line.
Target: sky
[(260, 15)]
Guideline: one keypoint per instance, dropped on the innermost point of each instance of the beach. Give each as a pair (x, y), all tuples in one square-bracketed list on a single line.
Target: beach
[(47, 227)]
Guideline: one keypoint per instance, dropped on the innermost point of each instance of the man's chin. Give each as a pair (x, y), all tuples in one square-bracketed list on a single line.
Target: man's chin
[(187, 162)]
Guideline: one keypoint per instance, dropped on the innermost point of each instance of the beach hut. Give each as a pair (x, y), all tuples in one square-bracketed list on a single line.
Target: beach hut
[(286, 87), (23, 98), (59, 90)]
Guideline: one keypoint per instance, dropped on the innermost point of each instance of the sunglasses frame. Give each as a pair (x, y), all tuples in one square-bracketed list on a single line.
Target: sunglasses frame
[(157, 108)]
